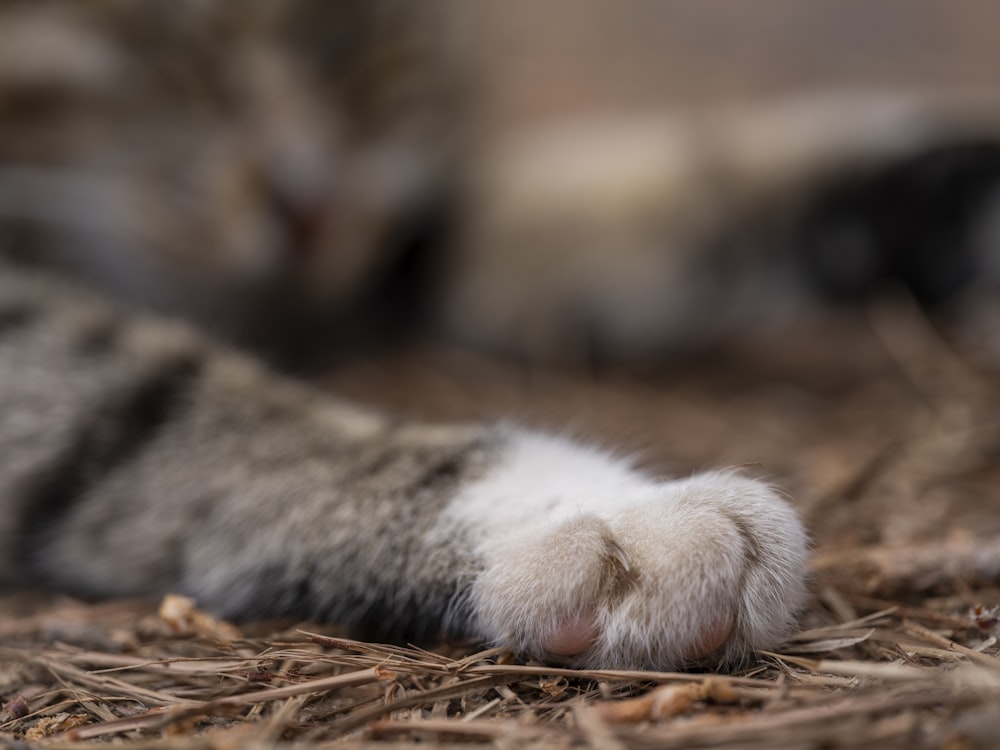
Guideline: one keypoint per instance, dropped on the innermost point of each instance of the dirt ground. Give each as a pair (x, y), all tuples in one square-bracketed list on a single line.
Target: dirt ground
[(883, 434)]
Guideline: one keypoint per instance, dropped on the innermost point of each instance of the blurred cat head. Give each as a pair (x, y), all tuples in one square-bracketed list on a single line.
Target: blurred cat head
[(247, 165)]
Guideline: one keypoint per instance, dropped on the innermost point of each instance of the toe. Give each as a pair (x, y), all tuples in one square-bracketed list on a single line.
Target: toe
[(712, 638), (572, 636)]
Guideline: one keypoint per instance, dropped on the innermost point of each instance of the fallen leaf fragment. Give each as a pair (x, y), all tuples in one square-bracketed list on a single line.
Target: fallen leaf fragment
[(985, 618), (182, 615), (17, 707), (667, 701), (50, 725)]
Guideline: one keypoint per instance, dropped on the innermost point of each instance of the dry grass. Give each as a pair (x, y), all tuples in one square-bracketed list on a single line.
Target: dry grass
[(901, 677), (890, 453)]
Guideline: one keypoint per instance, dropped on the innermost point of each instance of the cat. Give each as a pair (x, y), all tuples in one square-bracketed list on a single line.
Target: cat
[(280, 171), (138, 457)]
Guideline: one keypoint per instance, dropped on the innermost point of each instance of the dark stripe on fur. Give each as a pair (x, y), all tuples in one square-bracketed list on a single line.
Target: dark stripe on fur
[(17, 317), (401, 603), (400, 615), (445, 474), (100, 339), (117, 432)]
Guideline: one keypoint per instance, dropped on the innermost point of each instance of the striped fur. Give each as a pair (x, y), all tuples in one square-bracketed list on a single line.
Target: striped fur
[(140, 459)]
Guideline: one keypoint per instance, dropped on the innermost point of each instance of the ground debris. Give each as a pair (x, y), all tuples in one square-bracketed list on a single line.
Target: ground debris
[(667, 701)]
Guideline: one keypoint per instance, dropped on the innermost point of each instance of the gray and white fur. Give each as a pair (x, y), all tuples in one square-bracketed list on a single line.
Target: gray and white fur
[(139, 458)]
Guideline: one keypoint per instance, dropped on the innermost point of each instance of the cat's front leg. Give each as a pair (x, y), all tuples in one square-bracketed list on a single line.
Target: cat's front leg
[(589, 562)]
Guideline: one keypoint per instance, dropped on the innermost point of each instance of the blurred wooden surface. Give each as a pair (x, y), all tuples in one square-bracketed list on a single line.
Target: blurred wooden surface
[(571, 56)]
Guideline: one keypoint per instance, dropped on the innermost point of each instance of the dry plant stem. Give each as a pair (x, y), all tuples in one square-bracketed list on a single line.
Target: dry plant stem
[(920, 352), (543, 706), (887, 569), (480, 728), (770, 725), (159, 717), (360, 717), (912, 628)]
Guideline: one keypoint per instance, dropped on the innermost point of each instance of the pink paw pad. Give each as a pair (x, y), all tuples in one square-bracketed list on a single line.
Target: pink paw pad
[(572, 637)]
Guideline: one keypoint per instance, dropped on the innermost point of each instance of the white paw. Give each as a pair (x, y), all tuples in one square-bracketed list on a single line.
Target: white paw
[(655, 575)]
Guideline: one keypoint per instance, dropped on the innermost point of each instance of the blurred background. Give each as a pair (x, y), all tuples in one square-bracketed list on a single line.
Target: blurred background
[(713, 233), (560, 58), (564, 182)]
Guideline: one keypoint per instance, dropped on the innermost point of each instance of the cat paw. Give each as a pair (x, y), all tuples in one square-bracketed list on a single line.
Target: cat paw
[(693, 572)]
